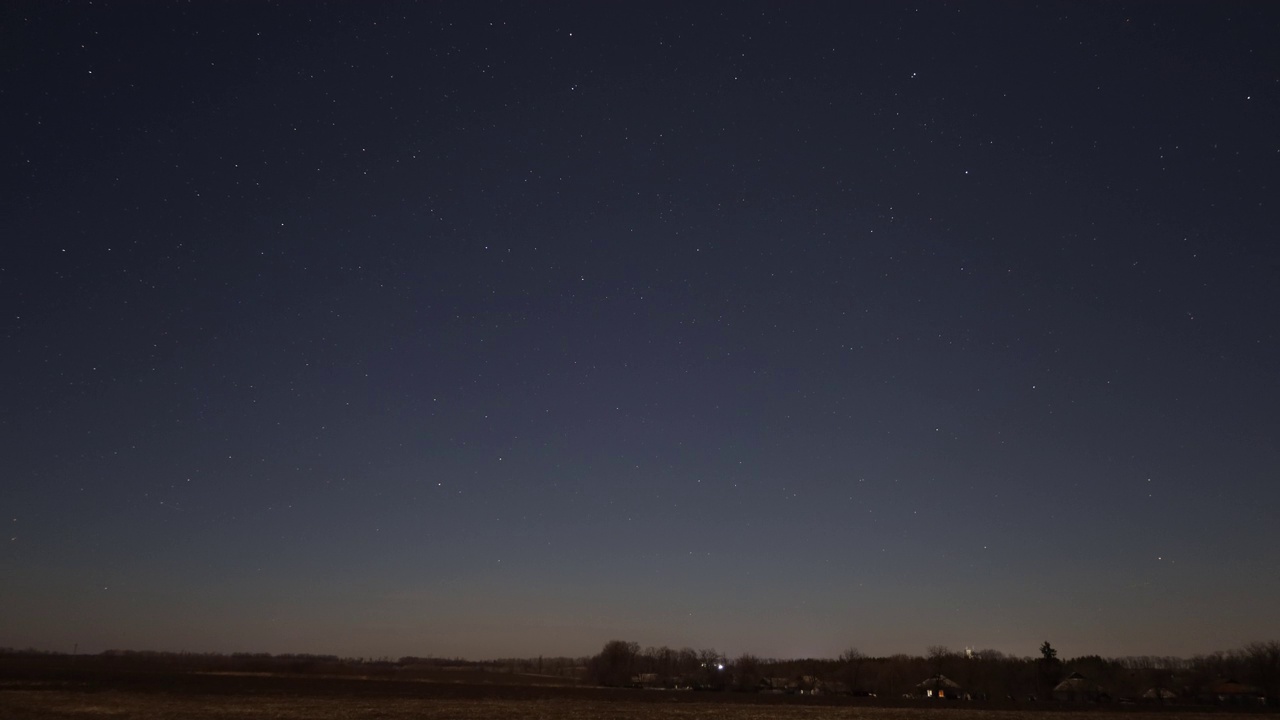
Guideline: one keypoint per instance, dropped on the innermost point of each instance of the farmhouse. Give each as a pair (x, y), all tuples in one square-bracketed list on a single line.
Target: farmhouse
[(1160, 694), (939, 686), (1076, 688), (1230, 692)]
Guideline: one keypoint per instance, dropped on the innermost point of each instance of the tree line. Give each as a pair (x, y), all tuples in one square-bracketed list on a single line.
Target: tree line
[(560, 669), (1252, 672)]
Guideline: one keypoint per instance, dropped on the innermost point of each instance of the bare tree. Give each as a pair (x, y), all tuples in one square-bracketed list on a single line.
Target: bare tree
[(712, 665), (746, 673), (687, 662), (1264, 666), (938, 656), (852, 659), (615, 663)]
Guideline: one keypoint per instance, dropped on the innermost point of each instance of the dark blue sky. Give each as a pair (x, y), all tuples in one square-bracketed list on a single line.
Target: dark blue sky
[(510, 328)]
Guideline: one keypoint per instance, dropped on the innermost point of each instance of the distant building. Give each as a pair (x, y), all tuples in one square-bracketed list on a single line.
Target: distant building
[(777, 685), (1077, 688), (1230, 692), (1160, 695), (939, 686), (646, 680)]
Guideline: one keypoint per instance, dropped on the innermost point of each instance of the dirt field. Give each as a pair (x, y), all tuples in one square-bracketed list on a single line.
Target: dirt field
[(205, 696), (47, 705)]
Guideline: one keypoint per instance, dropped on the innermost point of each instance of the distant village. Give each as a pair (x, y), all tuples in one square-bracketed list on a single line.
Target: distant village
[(1249, 676)]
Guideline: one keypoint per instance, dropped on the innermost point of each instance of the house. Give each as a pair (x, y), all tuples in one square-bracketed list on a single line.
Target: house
[(835, 687), (939, 686), (777, 685), (1159, 695), (646, 680), (808, 685), (1230, 692), (1076, 688)]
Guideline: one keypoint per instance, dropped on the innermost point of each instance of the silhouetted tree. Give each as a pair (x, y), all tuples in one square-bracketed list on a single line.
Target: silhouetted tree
[(1263, 660), (853, 659), (938, 656), (615, 663), (711, 663), (1050, 668), (746, 673)]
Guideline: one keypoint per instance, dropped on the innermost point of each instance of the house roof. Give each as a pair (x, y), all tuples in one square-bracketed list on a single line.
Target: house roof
[(939, 682), (1075, 682)]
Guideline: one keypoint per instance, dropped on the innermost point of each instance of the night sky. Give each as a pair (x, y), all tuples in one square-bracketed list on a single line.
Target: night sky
[(506, 329)]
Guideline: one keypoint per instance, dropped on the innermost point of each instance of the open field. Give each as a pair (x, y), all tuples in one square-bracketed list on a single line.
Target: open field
[(48, 705), (205, 696)]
